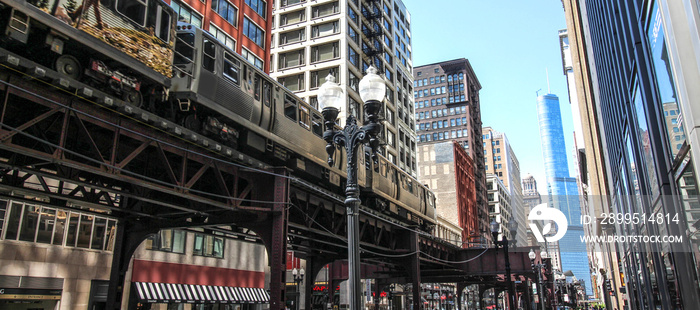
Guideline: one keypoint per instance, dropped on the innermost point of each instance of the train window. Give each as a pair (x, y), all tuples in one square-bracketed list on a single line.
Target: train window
[(317, 123), (267, 93), (134, 10), (290, 107), (304, 120), (231, 67), (208, 55), (184, 48), (163, 24), (256, 87)]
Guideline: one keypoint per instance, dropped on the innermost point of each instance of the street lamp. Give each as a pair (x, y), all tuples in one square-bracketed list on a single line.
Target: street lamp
[(298, 275), (504, 244), (331, 99), (538, 269)]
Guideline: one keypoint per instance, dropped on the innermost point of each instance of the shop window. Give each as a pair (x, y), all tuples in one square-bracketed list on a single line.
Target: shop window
[(168, 240), (208, 245)]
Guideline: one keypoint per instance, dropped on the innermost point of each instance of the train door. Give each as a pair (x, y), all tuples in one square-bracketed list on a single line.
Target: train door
[(265, 102)]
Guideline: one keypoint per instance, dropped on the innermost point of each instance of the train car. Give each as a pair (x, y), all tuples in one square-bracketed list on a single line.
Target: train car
[(393, 191), (124, 46), (216, 91)]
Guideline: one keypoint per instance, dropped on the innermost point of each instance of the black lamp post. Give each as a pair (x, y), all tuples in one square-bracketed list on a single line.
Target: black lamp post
[(504, 244), (298, 275), (331, 98), (538, 269)]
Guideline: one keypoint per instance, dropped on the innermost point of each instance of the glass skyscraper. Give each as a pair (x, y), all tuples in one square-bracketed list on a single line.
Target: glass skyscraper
[(562, 188)]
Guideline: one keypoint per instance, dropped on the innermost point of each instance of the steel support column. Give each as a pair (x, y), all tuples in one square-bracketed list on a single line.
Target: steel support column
[(129, 236), (414, 267)]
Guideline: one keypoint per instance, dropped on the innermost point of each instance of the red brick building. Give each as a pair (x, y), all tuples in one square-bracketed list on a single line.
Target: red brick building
[(243, 25)]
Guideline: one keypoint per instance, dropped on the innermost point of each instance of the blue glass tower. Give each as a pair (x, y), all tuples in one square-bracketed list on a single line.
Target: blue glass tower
[(562, 188)]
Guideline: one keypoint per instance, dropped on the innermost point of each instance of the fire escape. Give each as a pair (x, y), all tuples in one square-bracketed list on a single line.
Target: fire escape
[(372, 31)]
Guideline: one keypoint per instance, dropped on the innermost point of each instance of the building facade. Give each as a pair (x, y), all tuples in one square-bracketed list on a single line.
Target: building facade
[(59, 258), (562, 189), (504, 164), (312, 39), (447, 169), (242, 25), (500, 209), (531, 198), (645, 101), (448, 109)]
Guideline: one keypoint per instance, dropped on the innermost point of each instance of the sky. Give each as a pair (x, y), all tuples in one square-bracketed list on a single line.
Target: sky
[(511, 45)]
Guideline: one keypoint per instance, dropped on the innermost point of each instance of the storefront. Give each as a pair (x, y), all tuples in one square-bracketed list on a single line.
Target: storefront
[(25, 293), (173, 286), (184, 296)]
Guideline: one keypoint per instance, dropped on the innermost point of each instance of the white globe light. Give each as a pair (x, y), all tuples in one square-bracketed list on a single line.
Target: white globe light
[(330, 94), (372, 87), (532, 254)]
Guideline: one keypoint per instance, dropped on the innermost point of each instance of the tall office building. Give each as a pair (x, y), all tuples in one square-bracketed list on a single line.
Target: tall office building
[(243, 25), (312, 39), (531, 198), (643, 104), (562, 189), (448, 109), (504, 164), (500, 209)]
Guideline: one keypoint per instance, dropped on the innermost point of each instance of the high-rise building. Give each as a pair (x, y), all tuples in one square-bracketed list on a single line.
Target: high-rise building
[(500, 209), (532, 198), (562, 189), (642, 104), (448, 109), (312, 39), (504, 164), (243, 25)]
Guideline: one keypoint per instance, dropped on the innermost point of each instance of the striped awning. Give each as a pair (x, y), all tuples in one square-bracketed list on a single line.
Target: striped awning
[(188, 293)]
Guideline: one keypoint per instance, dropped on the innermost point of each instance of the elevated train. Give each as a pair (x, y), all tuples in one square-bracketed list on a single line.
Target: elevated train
[(207, 88)]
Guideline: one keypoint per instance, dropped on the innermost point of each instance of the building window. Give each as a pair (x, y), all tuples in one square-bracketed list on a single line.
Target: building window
[(293, 36), (253, 32), (352, 34), (324, 10), (186, 14), (39, 224), (248, 55), (223, 37), (390, 116), (291, 59), (390, 138), (293, 82), (258, 6), (353, 57), (285, 3), (326, 29), (325, 52), (318, 77), (353, 81), (168, 240), (208, 245), (292, 17), (226, 10), (352, 15)]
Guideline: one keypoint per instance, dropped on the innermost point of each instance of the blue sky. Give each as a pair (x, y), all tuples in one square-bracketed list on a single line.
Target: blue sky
[(510, 44)]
